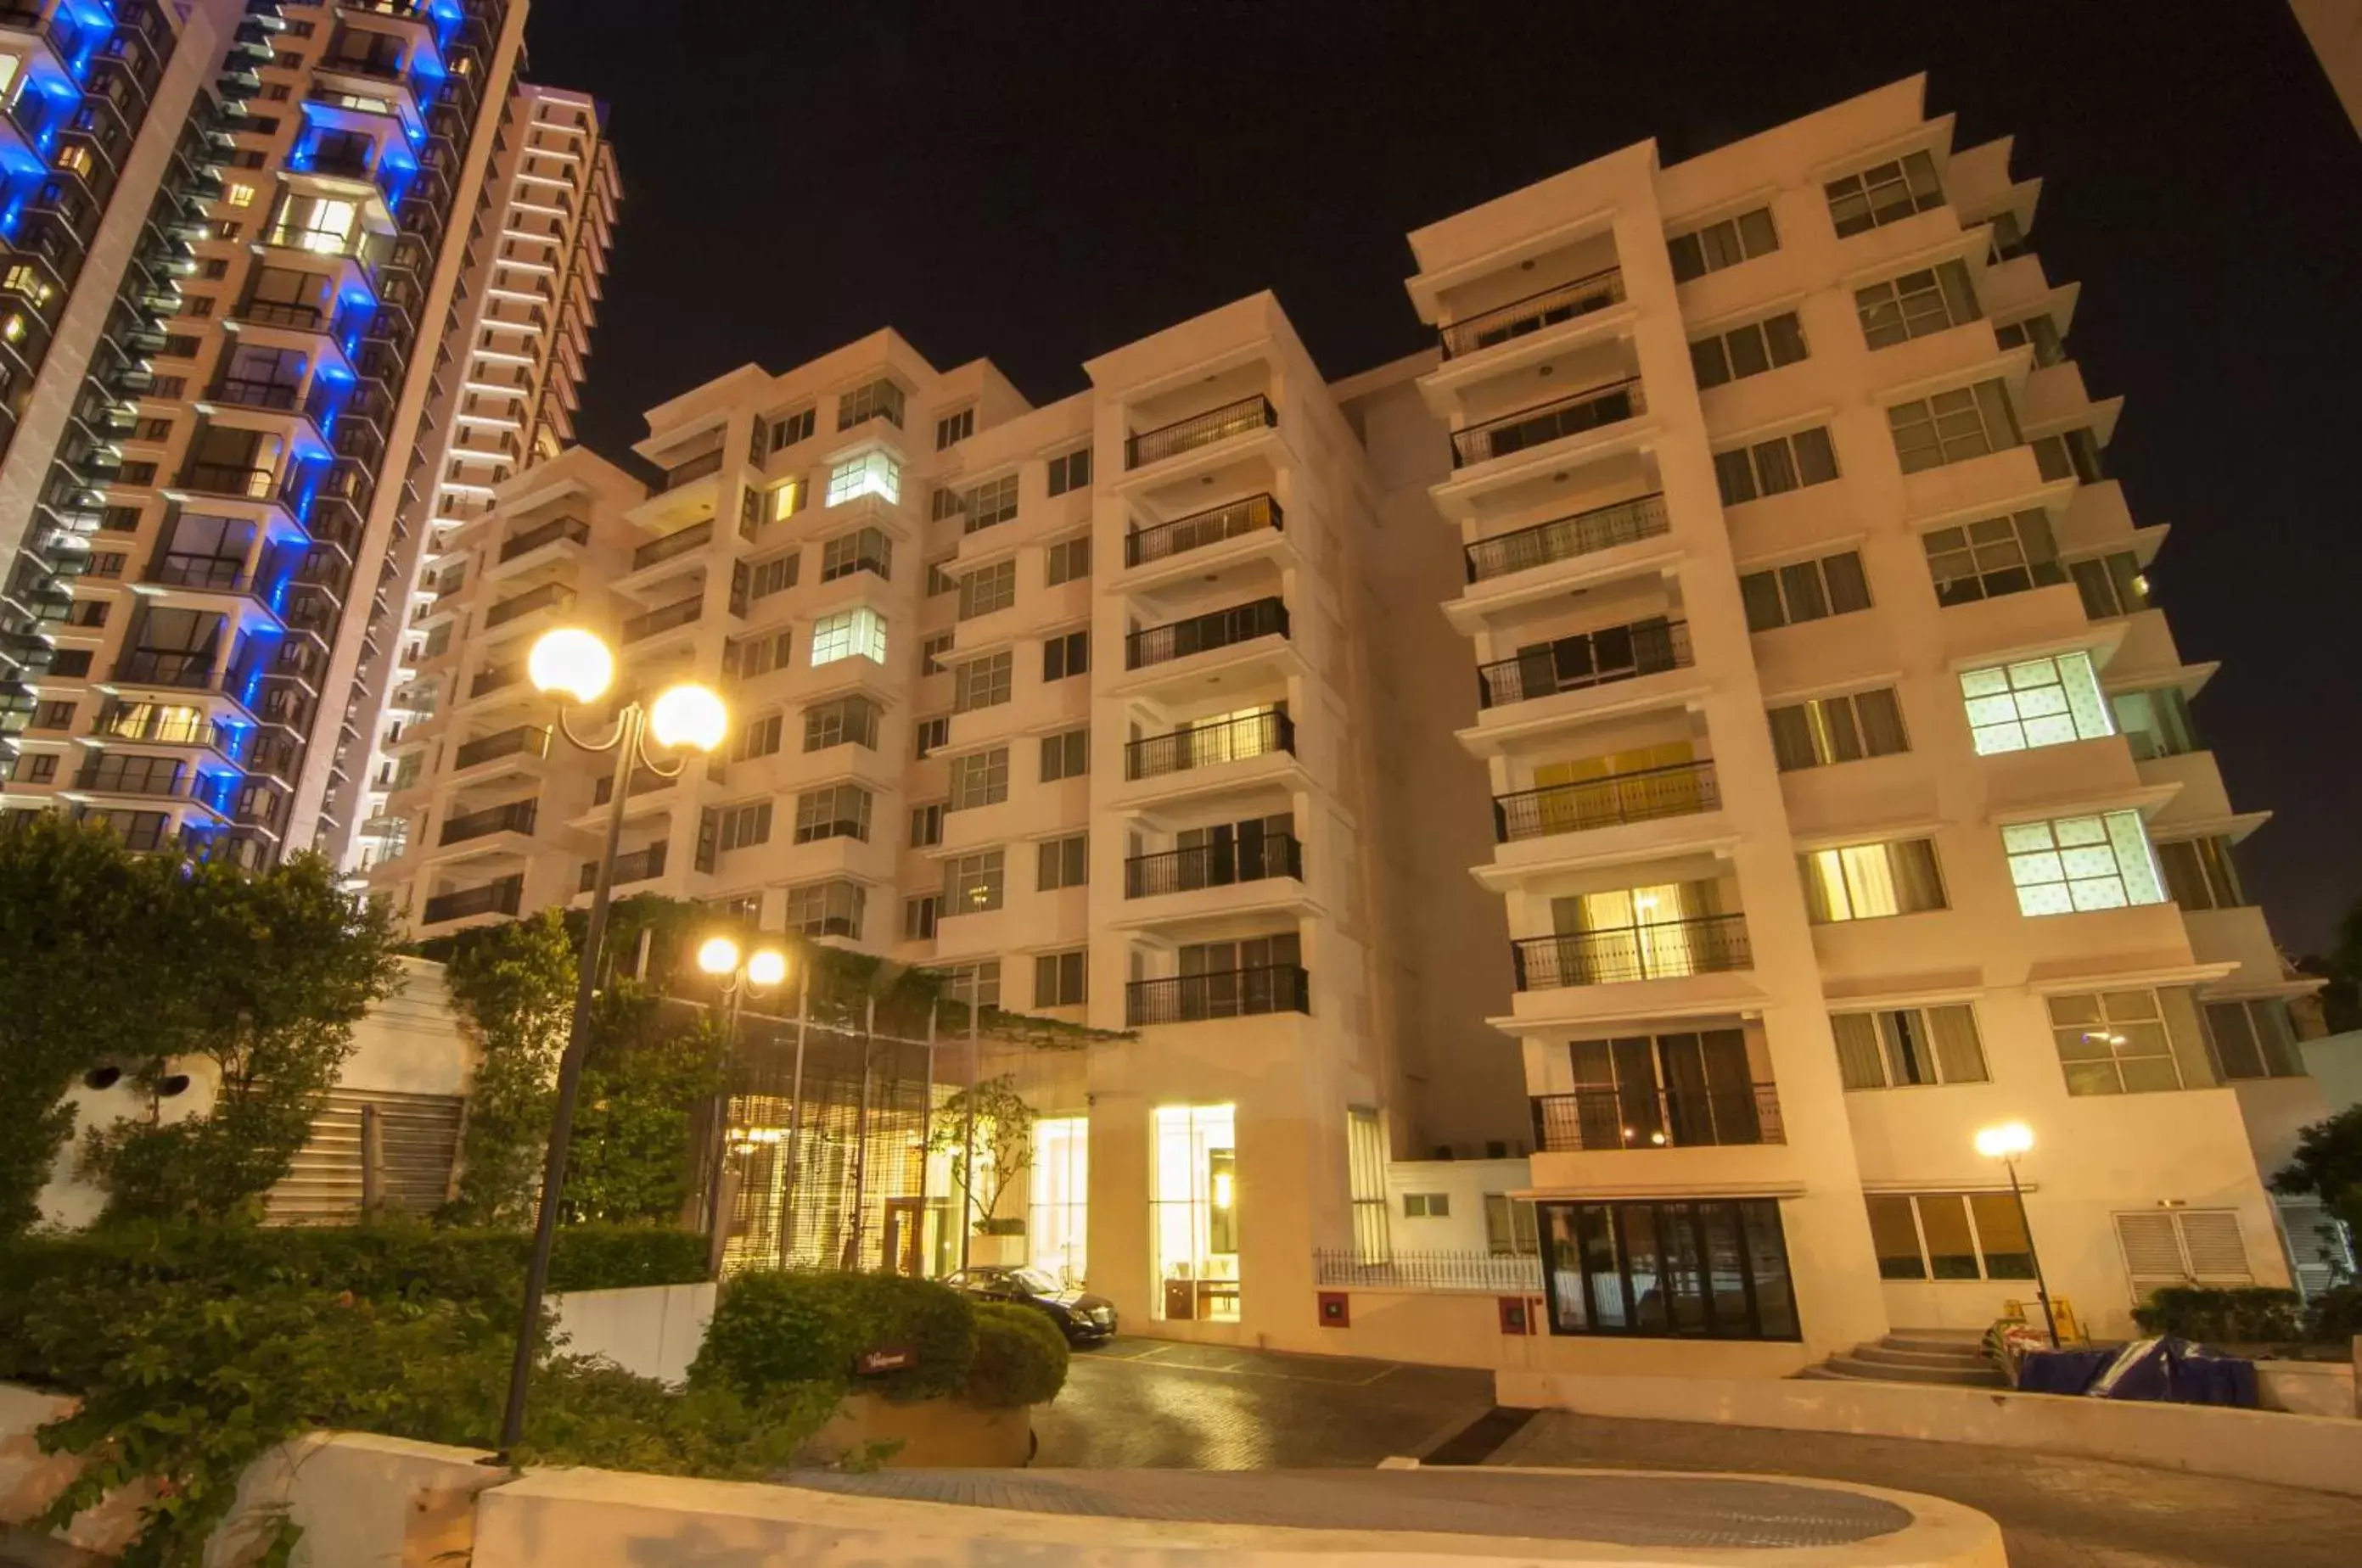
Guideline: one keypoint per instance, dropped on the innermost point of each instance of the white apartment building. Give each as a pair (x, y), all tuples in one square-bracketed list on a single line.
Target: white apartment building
[(1844, 798), (505, 395)]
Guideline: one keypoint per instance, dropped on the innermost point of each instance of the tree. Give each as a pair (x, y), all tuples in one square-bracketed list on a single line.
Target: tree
[(514, 984), (1004, 1142), (80, 947), (645, 1075), (2328, 1166), (263, 974)]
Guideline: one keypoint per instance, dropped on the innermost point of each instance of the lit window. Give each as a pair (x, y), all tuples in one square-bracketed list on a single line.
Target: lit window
[(787, 501), (2033, 703), (2073, 863), (2130, 1042), (1950, 1235), (1863, 882), (871, 474), (1193, 1213), (1057, 1219), (849, 634), (239, 195), (974, 883)]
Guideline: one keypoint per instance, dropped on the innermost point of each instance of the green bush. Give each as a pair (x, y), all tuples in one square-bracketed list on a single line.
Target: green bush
[(2247, 1315), (2334, 1316), (598, 1256), (593, 1412), (772, 1330), (1021, 1357)]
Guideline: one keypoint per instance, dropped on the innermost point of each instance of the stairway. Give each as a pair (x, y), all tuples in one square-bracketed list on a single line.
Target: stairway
[(1954, 1357)]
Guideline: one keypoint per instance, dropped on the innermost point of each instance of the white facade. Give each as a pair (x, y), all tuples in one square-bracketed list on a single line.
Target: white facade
[(1745, 540)]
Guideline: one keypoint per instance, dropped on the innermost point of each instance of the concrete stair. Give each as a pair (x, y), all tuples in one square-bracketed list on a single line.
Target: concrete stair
[(1951, 1357)]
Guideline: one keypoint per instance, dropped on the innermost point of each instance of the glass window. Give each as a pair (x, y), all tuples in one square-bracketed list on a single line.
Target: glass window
[(1883, 193), (1806, 590), (974, 883), (1897, 1047), (1060, 980), (927, 825), (2199, 873), (1953, 426), (1863, 882), (2156, 722), (849, 634), (827, 909), (880, 399), (1949, 1235), (1916, 304), (2073, 863), (1706, 1268), (1063, 863), (1748, 350), (1071, 472), (839, 811), (1066, 755), (981, 778), (1724, 244), (870, 473), (776, 575), (919, 918), (1993, 556), (987, 589), (2111, 585), (1825, 730), (1365, 1177), (981, 683), (954, 428), (2130, 1042), (1193, 1213), (1056, 1220), (989, 503), (2035, 703), (864, 550), (2252, 1039), (1509, 1227), (1067, 560), (1768, 467), (1069, 654), (846, 721)]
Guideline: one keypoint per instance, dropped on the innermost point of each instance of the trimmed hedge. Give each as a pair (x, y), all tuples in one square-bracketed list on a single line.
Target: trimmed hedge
[(772, 1330), (613, 1257), (2247, 1315), (1021, 1357)]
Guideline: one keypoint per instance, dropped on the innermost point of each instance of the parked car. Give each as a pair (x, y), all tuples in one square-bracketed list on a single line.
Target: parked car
[(1084, 1318)]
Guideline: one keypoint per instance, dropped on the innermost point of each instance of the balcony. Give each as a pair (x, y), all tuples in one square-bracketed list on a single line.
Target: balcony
[(162, 726), (549, 596), (278, 395), (1225, 993), (680, 542), (696, 468), (1214, 865), (1211, 745), (1668, 949), (1199, 429), (280, 313), (174, 783), (1199, 530), (228, 479), (1538, 426), (217, 574), (639, 865), (1204, 634), (550, 532), (495, 677), (1585, 660), (664, 617), (524, 740), (1531, 315), (500, 897), (1680, 790), (643, 780), (1565, 538), (1651, 1116), (514, 817), (167, 667)]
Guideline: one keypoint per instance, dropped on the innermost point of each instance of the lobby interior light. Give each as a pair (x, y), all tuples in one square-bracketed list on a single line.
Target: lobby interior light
[(571, 660), (689, 714)]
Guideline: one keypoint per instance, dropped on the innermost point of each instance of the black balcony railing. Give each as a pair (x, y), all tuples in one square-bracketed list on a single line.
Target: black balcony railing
[(236, 389), (1230, 739), (1203, 633), (1666, 949), (638, 865), (1682, 790), (513, 817), (549, 596), (643, 781), (100, 778), (549, 533), (1225, 993), (1199, 530), (1533, 313), (1214, 865), (1588, 659), (679, 542), (1651, 1116), (280, 313), (694, 469), (664, 617), (229, 479), (524, 740), (222, 574), (1199, 429), (493, 678), (1546, 423), (167, 667), (500, 897), (1564, 538)]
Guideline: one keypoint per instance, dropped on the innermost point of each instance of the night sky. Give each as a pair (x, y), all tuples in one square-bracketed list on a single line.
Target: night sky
[(1038, 183)]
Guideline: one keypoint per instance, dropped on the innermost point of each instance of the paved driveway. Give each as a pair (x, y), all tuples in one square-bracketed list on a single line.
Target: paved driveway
[(1155, 1404)]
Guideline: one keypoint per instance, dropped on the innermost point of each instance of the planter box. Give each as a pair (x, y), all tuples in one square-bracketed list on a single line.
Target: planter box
[(934, 1434), (2307, 1387), (996, 1252)]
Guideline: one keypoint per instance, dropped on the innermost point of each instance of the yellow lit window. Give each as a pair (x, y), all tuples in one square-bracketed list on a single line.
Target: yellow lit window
[(239, 195), (787, 500), (13, 329), (75, 160)]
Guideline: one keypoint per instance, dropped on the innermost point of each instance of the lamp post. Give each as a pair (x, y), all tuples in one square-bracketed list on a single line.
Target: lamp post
[(739, 972), (574, 664), (2006, 1142)]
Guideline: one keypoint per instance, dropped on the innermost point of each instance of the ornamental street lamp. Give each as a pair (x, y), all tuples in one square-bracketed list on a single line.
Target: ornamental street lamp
[(739, 972), (575, 664), (2006, 1143)]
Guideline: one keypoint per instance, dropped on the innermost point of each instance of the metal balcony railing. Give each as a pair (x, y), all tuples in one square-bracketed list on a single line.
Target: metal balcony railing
[(1203, 633), (162, 726), (1653, 1116), (643, 781), (279, 395), (100, 778), (694, 469), (228, 479), (1533, 313), (679, 542), (1588, 659), (280, 312), (638, 865), (1588, 410), (1564, 538), (664, 617), (1199, 530), (1490, 1272), (1231, 739), (1666, 949), (550, 532), (167, 667), (1225, 993), (493, 678), (524, 740), (1683, 789), (549, 596), (221, 574), (513, 817), (1199, 429), (500, 897), (1214, 865)]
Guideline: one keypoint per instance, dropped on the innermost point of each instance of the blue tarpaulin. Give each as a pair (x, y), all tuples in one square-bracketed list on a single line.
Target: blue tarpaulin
[(2177, 1372)]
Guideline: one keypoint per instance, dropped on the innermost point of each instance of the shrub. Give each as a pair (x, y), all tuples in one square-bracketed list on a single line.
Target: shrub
[(1021, 1357), (2247, 1315), (2334, 1316), (602, 1256), (771, 1330), (585, 1412)]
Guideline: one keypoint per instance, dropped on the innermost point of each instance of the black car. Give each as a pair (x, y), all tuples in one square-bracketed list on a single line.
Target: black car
[(1084, 1318)]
